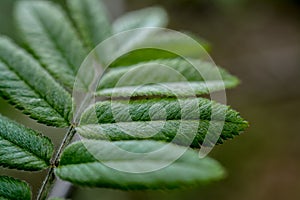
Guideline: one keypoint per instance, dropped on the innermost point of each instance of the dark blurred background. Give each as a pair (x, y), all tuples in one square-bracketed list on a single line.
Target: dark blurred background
[(257, 40)]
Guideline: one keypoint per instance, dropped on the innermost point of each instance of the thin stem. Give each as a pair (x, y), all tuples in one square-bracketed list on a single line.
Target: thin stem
[(67, 139), (50, 177)]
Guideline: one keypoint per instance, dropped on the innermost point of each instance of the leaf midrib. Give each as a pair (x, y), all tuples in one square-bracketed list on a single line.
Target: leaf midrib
[(181, 163), (172, 120), (36, 92), (24, 149), (72, 67), (89, 25), (190, 119), (52, 38)]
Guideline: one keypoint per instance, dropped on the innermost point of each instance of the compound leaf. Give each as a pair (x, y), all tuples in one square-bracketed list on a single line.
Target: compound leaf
[(22, 148), (28, 86), (135, 165), (91, 19), (185, 121), (50, 35), (12, 189)]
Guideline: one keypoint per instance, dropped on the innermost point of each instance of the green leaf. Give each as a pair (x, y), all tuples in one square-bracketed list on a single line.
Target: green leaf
[(50, 35), (102, 164), (148, 17), (91, 19), (22, 148), (141, 55), (159, 130), (165, 43), (140, 25), (176, 77), (28, 86), (179, 43), (185, 121), (13, 189)]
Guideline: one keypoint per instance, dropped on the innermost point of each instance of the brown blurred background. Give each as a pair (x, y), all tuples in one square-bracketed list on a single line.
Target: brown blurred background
[(257, 40)]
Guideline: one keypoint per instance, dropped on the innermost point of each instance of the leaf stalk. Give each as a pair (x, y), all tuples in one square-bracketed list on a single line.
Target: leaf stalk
[(50, 177)]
